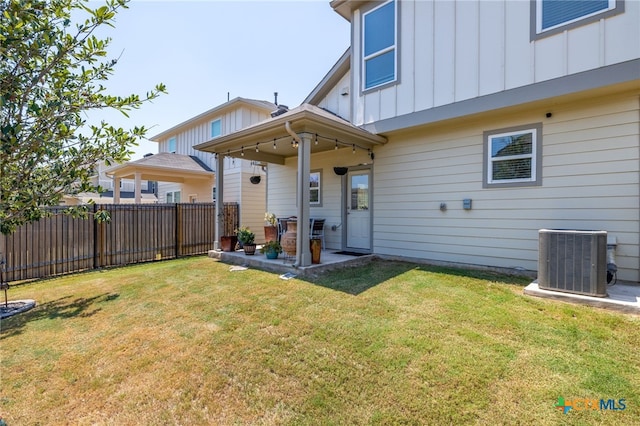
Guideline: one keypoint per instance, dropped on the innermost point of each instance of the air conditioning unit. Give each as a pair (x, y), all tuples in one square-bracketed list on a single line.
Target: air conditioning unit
[(573, 261)]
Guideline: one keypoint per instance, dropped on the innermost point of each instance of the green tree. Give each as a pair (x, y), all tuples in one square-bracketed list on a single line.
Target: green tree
[(53, 69)]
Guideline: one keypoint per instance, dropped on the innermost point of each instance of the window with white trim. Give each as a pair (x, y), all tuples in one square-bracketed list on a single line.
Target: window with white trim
[(216, 128), (557, 14), (173, 197), (379, 45), (315, 188), (513, 156), (172, 145)]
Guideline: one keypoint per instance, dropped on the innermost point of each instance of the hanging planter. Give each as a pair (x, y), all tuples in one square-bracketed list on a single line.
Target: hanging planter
[(255, 179), (340, 171)]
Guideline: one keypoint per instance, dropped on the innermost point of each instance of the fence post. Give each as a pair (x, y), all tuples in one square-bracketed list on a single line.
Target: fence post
[(95, 238), (178, 230)]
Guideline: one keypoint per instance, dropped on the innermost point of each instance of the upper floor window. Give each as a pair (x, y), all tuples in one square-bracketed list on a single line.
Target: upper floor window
[(379, 59), (172, 145), (558, 14), (512, 156), (216, 128)]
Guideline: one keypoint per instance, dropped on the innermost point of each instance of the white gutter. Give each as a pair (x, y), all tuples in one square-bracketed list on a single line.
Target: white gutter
[(293, 134)]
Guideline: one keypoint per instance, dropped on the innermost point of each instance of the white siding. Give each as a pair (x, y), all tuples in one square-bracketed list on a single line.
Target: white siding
[(336, 102), (457, 50), (590, 180)]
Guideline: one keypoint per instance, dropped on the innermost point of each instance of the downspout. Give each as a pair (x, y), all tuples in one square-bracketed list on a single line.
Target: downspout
[(293, 134)]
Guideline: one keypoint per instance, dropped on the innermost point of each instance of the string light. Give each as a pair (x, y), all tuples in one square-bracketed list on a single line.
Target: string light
[(295, 144)]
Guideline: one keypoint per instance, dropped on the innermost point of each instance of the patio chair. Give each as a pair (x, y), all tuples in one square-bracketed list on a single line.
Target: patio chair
[(317, 230)]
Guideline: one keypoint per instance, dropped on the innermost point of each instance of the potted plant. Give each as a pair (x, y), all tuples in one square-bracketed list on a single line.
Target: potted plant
[(271, 249), (271, 229), (247, 239)]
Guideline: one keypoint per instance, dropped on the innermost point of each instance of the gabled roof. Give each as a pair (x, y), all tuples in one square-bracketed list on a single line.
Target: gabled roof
[(339, 70), (256, 142), (220, 109), (164, 167)]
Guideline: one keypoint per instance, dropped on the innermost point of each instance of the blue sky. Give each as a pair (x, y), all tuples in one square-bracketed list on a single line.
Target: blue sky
[(204, 50)]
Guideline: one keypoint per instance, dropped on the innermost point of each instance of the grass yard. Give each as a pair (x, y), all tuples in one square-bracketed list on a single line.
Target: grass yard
[(188, 342)]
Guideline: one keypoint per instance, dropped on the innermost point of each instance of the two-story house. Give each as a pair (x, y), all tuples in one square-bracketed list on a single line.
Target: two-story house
[(185, 175), (464, 127)]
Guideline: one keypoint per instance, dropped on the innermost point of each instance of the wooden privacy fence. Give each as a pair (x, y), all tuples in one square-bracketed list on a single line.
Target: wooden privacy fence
[(62, 244)]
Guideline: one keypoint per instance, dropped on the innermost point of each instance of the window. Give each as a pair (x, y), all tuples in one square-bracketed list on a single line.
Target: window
[(216, 128), (173, 197), (513, 156), (553, 16), (315, 188), (172, 145), (379, 45)]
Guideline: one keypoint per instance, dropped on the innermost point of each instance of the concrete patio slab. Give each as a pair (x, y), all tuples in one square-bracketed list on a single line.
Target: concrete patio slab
[(329, 260), (621, 297)]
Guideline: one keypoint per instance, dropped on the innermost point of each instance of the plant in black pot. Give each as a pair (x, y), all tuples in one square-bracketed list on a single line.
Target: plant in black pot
[(271, 249), (247, 239)]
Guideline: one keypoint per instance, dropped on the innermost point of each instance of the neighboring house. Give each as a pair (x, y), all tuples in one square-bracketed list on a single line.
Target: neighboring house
[(126, 189), (466, 127), (185, 175)]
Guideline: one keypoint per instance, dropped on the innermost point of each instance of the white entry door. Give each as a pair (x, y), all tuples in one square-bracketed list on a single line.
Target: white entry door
[(359, 210)]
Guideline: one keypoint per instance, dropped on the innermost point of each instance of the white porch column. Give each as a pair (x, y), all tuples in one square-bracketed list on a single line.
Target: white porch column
[(137, 188), (116, 190), (303, 253), (219, 212)]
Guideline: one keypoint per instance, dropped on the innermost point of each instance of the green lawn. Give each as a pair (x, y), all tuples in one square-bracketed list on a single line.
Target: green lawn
[(189, 342)]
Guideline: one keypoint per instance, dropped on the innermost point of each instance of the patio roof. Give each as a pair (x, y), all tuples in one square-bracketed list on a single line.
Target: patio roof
[(163, 167), (270, 142)]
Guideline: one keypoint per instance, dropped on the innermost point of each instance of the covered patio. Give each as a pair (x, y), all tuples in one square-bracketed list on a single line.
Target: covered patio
[(300, 133), (189, 171)]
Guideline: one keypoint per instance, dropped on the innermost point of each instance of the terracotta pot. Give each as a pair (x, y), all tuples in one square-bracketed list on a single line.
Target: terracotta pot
[(315, 245), (270, 233), (228, 243), (290, 237)]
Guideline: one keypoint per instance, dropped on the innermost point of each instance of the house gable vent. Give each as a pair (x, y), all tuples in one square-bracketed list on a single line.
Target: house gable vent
[(573, 261)]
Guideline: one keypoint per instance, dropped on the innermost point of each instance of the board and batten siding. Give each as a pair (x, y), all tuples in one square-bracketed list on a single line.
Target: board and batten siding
[(590, 181), (200, 132), (338, 100), (451, 51)]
